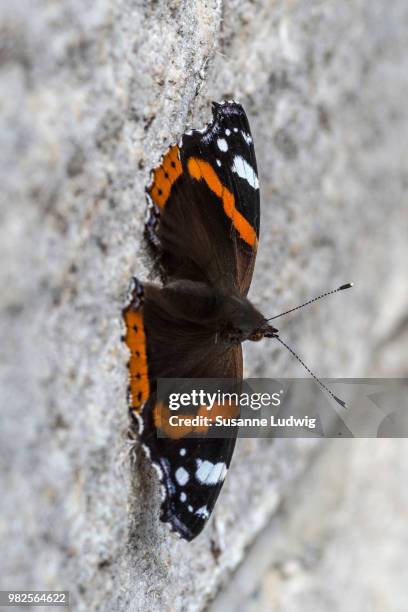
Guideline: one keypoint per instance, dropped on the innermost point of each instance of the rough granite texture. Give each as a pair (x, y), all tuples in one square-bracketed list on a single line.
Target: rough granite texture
[(91, 95), (338, 547)]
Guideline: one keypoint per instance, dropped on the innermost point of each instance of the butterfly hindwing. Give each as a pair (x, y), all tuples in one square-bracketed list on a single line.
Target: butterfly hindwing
[(191, 469)]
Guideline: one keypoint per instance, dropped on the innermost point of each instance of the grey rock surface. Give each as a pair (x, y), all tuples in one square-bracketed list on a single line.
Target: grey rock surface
[(340, 541), (91, 95)]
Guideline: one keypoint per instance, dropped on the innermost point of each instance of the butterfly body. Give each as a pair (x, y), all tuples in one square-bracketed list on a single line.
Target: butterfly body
[(203, 229)]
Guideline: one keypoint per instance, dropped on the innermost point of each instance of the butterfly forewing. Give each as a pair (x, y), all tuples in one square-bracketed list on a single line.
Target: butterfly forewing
[(204, 202)]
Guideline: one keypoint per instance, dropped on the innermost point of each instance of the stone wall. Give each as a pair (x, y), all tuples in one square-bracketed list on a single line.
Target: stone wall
[(91, 94)]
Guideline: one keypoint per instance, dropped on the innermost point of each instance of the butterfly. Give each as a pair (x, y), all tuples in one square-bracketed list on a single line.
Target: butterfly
[(202, 228)]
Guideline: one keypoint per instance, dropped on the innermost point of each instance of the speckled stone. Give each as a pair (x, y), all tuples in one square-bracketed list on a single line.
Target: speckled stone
[(92, 93)]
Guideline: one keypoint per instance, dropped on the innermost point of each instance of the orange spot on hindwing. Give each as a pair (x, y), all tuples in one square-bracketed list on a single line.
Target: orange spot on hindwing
[(202, 170), (165, 176), (135, 339)]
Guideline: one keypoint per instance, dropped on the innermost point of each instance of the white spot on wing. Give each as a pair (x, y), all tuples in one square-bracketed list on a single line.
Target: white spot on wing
[(218, 162), (222, 144), (182, 451), (227, 133), (245, 171), (235, 129), (139, 422), (247, 138), (190, 508), (203, 512), (209, 473), (182, 476), (183, 496)]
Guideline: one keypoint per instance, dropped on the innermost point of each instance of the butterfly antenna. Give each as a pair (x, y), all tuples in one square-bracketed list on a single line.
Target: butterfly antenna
[(323, 386), (319, 297)]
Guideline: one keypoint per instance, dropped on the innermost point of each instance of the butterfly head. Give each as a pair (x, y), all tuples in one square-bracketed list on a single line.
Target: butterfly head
[(264, 331), (239, 320)]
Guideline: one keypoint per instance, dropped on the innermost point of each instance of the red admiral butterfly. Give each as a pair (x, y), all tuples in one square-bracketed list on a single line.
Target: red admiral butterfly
[(203, 228)]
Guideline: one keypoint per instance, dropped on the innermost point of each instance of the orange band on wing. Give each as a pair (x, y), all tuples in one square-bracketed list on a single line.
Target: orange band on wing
[(164, 176), (161, 418), (202, 170), (162, 414), (136, 341)]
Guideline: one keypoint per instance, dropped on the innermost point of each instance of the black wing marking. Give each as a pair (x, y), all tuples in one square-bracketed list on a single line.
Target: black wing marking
[(191, 469)]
